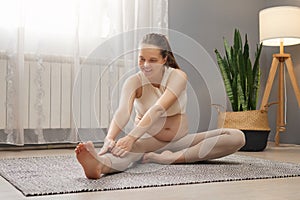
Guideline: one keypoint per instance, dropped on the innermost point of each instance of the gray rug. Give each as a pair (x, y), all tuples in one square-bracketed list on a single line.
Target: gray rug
[(62, 174)]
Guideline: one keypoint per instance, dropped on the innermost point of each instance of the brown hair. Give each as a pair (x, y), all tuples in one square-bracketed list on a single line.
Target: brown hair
[(162, 42)]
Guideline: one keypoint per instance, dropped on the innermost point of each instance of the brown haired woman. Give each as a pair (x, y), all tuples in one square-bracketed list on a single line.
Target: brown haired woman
[(158, 94)]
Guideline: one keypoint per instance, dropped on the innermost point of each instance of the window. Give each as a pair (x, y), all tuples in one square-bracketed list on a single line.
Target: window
[(53, 25)]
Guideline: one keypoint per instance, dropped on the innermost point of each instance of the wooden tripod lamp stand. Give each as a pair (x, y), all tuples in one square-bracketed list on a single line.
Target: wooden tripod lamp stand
[(280, 26)]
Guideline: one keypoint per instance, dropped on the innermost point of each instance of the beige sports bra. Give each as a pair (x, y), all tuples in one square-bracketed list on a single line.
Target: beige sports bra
[(151, 94)]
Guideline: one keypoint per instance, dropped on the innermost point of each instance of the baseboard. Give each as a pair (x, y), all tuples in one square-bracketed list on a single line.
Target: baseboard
[(8, 147)]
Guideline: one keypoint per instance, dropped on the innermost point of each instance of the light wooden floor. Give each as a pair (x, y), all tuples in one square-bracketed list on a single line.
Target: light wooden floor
[(273, 189)]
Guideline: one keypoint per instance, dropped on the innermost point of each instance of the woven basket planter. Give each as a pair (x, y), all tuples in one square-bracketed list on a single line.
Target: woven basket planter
[(254, 124)]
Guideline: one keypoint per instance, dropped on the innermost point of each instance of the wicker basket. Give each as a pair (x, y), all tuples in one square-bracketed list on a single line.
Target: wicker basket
[(256, 120), (253, 123)]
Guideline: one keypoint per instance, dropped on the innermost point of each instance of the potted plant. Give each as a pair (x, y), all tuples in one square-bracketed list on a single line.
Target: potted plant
[(242, 83)]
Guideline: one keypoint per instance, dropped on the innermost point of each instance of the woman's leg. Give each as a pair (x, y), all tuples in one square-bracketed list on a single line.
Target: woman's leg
[(95, 165), (140, 147), (191, 148), (200, 146)]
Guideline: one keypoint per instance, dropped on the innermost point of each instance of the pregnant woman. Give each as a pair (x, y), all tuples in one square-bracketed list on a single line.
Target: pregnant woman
[(157, 93)]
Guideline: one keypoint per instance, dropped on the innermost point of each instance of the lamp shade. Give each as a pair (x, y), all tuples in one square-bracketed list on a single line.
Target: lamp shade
[(279, 24)]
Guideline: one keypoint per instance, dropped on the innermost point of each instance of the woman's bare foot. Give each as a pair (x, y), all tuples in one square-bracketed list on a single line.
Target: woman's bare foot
[(89, 160), (166, 157)]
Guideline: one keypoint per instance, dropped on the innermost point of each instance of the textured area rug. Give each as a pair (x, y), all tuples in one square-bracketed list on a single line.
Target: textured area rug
[(62, 174)]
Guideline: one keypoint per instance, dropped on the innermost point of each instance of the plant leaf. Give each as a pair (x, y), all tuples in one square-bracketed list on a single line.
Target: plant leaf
[(241, 79), (224, 68)]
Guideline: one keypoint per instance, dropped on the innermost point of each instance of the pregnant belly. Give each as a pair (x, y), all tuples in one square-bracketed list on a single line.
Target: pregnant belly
[(169, 128)]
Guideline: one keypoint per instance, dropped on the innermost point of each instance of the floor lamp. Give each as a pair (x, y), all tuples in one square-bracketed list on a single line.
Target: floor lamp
[(280, 26)]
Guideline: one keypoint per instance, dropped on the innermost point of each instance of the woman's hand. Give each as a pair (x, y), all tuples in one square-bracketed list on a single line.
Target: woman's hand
[(123, 146), (107, 146)]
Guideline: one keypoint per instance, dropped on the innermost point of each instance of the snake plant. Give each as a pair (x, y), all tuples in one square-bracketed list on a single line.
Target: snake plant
[(241, 79)]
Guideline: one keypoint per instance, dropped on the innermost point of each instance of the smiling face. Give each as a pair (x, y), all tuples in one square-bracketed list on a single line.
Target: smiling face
[(151, 62)]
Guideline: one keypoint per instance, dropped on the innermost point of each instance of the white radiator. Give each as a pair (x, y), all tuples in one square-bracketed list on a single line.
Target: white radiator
[(54, 81)]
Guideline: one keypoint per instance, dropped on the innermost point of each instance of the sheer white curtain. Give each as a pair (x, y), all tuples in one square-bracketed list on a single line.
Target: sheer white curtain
[(42, 45)]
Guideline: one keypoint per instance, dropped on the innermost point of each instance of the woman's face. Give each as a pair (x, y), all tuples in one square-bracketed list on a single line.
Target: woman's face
[(151, 61)]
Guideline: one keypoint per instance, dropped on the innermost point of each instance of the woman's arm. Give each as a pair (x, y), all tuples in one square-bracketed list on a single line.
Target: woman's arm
[(176, 84), (122, 115)]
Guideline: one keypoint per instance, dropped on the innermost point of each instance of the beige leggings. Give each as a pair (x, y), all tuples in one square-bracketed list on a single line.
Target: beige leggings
[(194, 147)]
